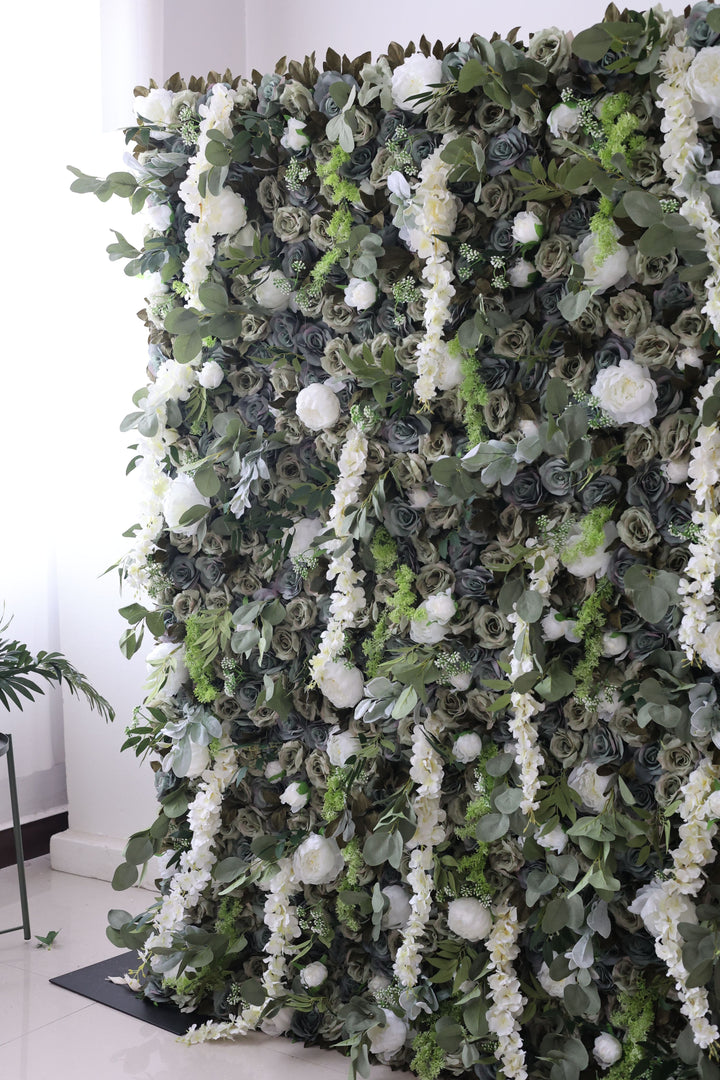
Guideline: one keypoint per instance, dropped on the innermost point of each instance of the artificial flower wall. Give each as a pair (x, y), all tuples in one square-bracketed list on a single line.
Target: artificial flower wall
[(429, 549)]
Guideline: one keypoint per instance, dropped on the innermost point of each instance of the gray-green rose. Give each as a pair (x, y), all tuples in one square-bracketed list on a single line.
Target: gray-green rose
[(551, 48), (291, 223), (652, 269), (491, 628), (628, 313), (554, 257), (655, 347), (636, 529)]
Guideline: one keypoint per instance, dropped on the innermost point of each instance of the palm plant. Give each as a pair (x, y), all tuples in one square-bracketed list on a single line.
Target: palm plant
[(19, 669)]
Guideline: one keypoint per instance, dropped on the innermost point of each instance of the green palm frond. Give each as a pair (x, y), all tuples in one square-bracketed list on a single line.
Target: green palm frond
[(19, 669)]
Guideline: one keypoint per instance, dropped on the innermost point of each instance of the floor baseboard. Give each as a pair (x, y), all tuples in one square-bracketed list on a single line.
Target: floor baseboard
[(35, 836)]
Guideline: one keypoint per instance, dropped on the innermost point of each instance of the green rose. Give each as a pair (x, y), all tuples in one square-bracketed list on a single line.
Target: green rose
[(628, 313)]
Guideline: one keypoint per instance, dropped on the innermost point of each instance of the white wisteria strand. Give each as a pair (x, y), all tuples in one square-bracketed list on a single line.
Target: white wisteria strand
[(281, 919), (426, 771), (432, 214), (699, 631), (666, 903), (195, 866), (508, 1001), (348, 597), (682, 156)]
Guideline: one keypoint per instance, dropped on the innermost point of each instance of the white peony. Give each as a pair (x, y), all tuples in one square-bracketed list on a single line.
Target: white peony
[(171, 656), (467, 747), (313, 975), (677, 471), (556, 840), (341, 746), (627, 392), (387, 1039), (594, 563), (562, 119), (607, 1050), (703, 82), (157, 107), (274, 771), (179, 498), (303, 534), (273, 291), (520, 273), (439, 610), (603, 274), (614, 643), (318, 407), (341, 685), (469, 918), (449, 372), (360, 294), (157, 215), (294, 137), (294, 797), (415, 76), (590, 786), (554, 628), (279, 1023), (317, 861), (211, 375), (527, 227), (400, 909), (199, 760), (225, 213)]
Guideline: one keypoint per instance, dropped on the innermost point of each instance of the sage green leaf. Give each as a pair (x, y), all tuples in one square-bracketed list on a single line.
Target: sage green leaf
[(181, 320), (658, 240), (139, 849), (492, 827), (572, 305), (642, 208), (529, 606), (186, 347), (507, 800), (591, 44), (125, 876)]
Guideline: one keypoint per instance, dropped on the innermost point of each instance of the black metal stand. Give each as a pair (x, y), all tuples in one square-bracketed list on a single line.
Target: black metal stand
[(6, 750)]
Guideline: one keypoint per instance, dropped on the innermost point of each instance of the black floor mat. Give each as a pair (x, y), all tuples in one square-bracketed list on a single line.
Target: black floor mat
[(91, 982)]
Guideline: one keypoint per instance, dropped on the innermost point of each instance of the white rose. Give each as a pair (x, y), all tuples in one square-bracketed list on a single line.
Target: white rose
[(341, 685), (199, 760), (157, 107), (555, 840), (274, 771), (313, 975), (527, 227), (341, 745), (627, 392), (400, 910), (677, 471), (273, 292), (387, 1039), (415, 76), (591, 787), (211, 375), (295, 137), (224, 213), (596, 562), (469, 918), (553, 627), (279, 1023), (318, 407), (554, 987), (441, 607), (360, 294), (467, 747), (520, 273), (607, 1050), (179, 498), (318, 861), (293, 797), (703, 82), (608, 272), (177, 673), (563, 119), (439, 610), (614, 643), (461, 681), (711, 646), (157, 215)]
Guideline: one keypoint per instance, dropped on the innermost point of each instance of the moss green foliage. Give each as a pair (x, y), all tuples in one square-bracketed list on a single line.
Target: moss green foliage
[(329, 173), (473, 392), (471, 867), (402, 603), (592, 534), (636, 1014), (471, 871), (429, 1057), (618, 127), (336, 794), (353, 861), (589, 627), (228, 914), (196, 660), (602, 226), (383, 550), (342, 191), (374, 646)]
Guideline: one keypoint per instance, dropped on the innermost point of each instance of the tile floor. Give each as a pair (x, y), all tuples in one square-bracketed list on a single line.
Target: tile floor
[(46, 1031)]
